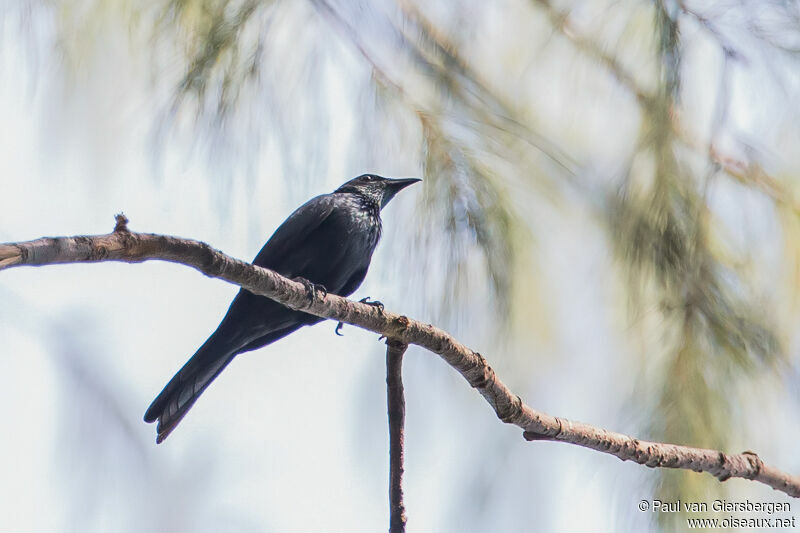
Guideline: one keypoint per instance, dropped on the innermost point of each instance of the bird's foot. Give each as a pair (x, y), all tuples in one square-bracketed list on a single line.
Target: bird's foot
[(338, 329), (312, 288), (374, 303)]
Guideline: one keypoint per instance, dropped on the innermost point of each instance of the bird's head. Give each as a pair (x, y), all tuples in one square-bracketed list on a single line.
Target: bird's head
[(376, 188)]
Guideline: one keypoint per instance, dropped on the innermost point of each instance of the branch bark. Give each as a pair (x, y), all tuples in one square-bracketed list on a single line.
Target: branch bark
[(123, 245), (396, 403)]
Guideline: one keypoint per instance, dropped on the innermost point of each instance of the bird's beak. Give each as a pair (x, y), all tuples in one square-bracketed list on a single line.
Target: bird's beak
[(394, 186), (397, 184)]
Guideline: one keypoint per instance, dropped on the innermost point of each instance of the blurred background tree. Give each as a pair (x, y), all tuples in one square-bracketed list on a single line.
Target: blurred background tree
[(635, 159)]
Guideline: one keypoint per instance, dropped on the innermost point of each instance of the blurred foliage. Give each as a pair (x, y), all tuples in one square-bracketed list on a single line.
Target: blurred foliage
[(517, 105)]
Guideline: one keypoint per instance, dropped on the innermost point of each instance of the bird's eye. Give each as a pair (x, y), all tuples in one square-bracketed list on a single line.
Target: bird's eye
[(369, 178)]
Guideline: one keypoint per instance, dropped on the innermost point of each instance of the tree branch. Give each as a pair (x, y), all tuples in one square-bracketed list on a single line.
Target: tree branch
[(126, 246), (396, 402)]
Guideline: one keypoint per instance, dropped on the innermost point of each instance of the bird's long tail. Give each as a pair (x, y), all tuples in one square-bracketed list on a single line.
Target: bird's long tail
[(172, 404)]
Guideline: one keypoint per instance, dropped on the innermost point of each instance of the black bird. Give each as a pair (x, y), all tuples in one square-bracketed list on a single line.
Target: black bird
[(328, 241)]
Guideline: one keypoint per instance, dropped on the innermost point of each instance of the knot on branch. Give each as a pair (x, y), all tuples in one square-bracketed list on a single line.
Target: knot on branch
[(755, 463), (98, 253), (208, 257), (122, 223), (720, 470), (510, 413), (400, 325), (654, 458), (635, 451), (396, 344), (486, 376)]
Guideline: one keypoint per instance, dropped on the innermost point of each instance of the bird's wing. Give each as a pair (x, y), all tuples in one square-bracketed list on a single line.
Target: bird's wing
[(281, 250)]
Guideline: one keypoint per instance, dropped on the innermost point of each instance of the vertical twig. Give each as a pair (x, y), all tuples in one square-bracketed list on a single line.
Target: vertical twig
[(397, 417)]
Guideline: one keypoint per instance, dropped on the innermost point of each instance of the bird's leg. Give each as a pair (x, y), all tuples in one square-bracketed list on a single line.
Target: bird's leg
[(339, 327), (374, 303), (312, 288)]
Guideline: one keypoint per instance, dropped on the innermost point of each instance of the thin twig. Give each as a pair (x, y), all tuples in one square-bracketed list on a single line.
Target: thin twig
[(748, 173), (559, 19), (396, 406), (126, 246)]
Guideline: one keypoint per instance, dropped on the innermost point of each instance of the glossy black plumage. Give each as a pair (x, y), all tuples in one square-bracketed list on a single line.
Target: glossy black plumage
[(328, 241)]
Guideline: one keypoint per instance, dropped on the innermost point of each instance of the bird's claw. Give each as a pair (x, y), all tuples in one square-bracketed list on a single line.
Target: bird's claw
[(378, 305), (312, 288)]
